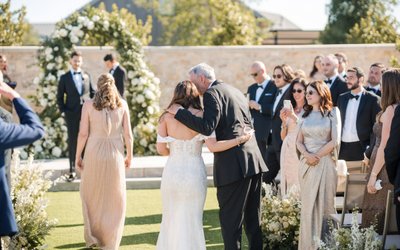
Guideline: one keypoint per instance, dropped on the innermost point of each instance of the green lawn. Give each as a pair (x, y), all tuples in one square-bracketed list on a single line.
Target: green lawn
[(142, 224)]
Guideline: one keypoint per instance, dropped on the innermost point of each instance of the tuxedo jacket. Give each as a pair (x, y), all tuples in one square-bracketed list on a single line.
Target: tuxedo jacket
[(15, 135), (226, 111), (68, 98), (366, 115), (262, 118), (392, 153), (338, 87), (276, 141), (119, 75)]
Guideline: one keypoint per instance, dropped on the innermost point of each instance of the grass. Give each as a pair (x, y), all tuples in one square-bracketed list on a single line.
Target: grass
[(142, 222)]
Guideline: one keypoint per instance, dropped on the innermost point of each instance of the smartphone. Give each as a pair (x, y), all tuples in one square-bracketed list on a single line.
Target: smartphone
[(287, 104)]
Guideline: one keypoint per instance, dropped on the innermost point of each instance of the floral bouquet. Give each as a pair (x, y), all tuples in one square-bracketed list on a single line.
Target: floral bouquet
[(280, 219), (354, 238)]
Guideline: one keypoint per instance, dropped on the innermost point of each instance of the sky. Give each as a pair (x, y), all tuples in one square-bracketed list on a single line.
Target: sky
[(307, 14)]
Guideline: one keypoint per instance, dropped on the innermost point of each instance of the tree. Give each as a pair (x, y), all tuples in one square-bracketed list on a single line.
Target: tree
[(206, 22), (12, 24), (373, 28), (359, 21)]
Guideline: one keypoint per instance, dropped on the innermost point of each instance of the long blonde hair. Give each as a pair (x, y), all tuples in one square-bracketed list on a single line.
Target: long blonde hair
[(107, 95)]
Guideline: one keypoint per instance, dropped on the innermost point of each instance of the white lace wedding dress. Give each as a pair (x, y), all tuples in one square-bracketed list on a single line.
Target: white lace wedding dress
[(183, 191)]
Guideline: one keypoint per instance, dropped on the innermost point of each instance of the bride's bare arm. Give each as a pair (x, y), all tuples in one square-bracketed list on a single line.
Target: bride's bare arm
[(83, 134), (162, 148), (128, 138), (217, 146)]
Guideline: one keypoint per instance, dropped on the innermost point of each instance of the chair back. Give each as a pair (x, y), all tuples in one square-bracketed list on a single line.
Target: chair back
[(390, 224), (354, 193)]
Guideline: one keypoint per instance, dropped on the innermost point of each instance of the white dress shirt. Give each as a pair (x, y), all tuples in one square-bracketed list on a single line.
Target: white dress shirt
[(78, 80), (261, 88), (281, 91), (350, 123)]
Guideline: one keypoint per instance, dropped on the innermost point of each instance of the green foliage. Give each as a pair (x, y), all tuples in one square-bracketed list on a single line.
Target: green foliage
[(206, 22), (12, 24), (129, 22), (142, 90), (30, 37), (374, 28), (359, 21)]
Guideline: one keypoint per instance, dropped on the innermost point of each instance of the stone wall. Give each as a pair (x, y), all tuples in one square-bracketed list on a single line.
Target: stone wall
[(231, 63)]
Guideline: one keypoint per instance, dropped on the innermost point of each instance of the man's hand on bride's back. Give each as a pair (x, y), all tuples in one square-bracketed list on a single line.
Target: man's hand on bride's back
[(174, 109)]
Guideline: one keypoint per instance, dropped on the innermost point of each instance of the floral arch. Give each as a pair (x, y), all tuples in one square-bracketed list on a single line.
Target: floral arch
[(142, 90)]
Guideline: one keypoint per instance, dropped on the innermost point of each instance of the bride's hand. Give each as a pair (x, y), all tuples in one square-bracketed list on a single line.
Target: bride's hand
[(79, 164), (128, 162)]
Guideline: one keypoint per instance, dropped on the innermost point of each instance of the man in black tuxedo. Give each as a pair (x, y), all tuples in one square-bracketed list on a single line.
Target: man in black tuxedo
[(282, 81), (358, 110), (118, 72), (392, 160), (237, 171), (261, 100), (342, 66), (375, 78), (335, 82), (74, 89)]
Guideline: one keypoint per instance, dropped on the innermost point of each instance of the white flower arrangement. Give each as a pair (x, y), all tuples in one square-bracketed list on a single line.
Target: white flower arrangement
[(28, 192), (142, 94), (354, 238), (280, 219)]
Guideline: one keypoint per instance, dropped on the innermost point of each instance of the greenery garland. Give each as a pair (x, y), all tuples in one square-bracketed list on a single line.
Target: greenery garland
[(142, 90)]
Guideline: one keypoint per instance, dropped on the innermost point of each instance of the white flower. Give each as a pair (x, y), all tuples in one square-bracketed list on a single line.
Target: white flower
[(60, 73), (115, 34), (76, 31), (95, 18), (43, 102), (36, 80), (131, 74), (48, 51), (50, 66), (140, 98), (90, 25), (150, 110), (38, 149), (56, 151), (59, 59), (74, 39), (149, 94), (143, 142), (156, 80), (51, 96), (49, 57), (55, 48), (63, 32), (106, 25)]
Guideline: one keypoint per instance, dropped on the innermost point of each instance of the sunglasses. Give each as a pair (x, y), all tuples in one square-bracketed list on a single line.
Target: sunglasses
[(310, 92), (254, 74), (297, 91), (278, 76)]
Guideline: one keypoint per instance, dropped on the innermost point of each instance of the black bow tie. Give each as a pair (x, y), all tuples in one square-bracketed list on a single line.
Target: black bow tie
[(328, 81), (371, 89), (77, 73), (261, 86), (279, 91), (354, 96)]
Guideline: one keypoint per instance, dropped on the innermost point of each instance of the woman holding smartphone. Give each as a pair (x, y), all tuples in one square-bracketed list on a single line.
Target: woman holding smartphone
[(290, 114)]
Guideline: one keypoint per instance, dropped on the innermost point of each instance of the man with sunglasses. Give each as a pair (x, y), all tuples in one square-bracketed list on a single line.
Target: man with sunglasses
[(261, 100), (358, 110)]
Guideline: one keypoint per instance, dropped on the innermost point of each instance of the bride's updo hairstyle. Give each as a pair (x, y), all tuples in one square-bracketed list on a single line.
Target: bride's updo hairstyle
[(187, 95), (107, 95)]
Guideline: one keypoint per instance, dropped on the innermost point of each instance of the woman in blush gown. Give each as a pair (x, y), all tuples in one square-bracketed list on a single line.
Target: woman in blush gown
[(290, 117), (184, 180), (105, 126), (318, 143)]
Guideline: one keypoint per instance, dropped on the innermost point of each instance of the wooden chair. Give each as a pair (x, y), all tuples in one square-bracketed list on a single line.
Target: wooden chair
[(391, 236), (353, 198)]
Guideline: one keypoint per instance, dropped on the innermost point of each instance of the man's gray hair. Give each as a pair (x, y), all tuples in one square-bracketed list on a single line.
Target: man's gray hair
[(205, 70)]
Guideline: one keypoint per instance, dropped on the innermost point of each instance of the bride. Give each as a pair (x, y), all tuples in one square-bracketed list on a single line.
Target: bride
[(184, 180)]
